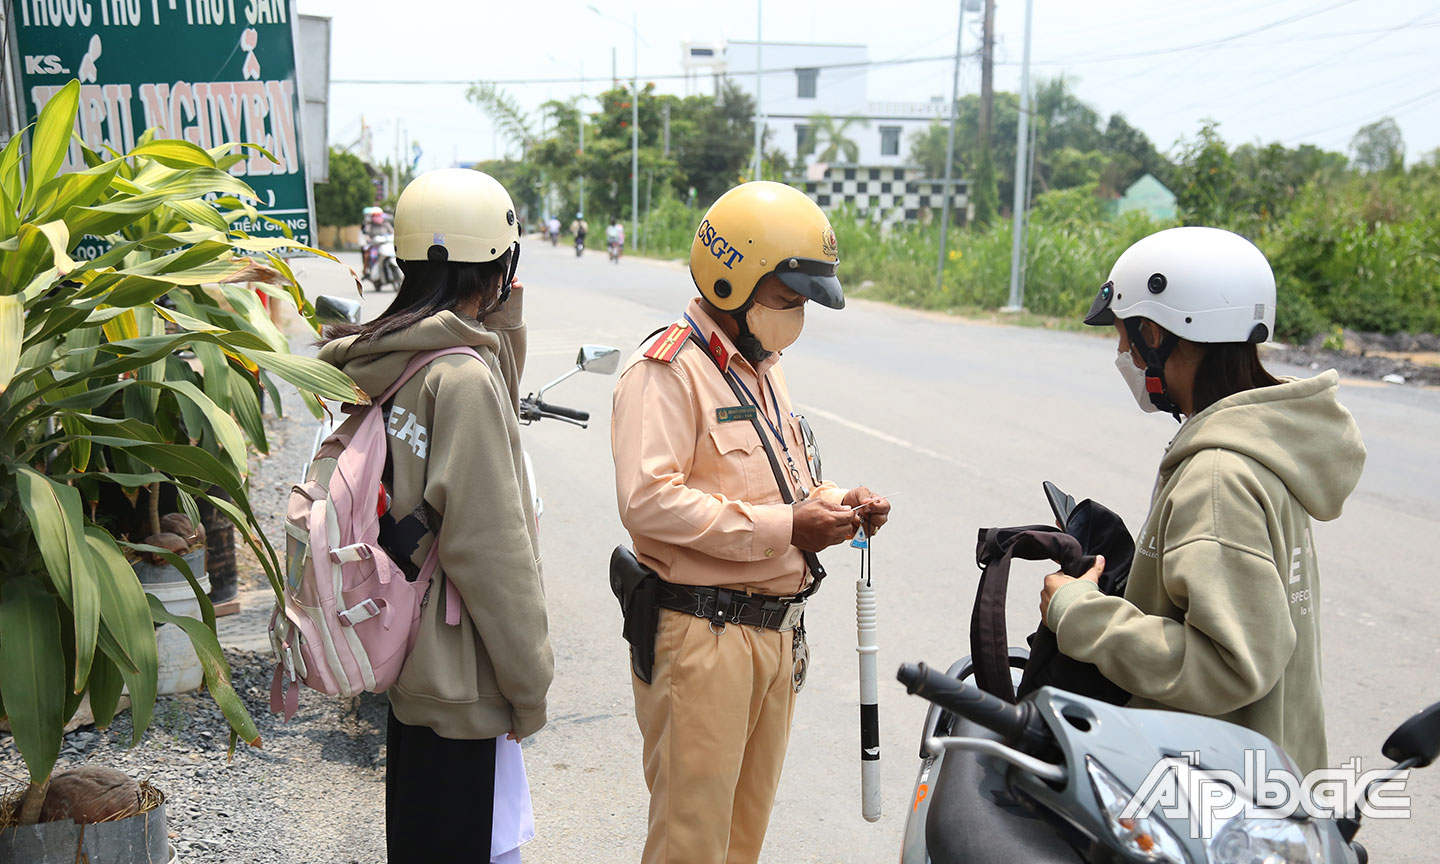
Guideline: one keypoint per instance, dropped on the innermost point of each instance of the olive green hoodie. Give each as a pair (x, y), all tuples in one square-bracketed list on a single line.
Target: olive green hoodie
[(1220, 614), (459, 471)]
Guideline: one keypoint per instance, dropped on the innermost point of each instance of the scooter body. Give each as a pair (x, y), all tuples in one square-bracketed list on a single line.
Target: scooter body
[(382, 268), (1056, 790)]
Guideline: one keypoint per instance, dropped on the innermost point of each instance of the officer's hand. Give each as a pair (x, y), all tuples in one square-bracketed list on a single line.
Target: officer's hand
[(874, 511), (818, 524)]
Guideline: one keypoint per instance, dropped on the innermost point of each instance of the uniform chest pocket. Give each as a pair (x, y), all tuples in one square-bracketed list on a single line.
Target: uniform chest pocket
[(741, 467)]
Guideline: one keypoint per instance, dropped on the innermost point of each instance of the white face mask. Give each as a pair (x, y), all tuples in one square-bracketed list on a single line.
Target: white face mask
[(776, 329), (1135, 380)]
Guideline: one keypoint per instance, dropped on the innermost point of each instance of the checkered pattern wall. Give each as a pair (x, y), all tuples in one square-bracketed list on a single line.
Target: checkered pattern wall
[(898, 194)]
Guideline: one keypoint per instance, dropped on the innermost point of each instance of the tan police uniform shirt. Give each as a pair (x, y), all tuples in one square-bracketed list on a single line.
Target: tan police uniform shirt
[(696, 492)]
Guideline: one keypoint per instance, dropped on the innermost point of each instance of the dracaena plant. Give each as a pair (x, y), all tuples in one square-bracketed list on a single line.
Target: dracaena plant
[(93, 390)]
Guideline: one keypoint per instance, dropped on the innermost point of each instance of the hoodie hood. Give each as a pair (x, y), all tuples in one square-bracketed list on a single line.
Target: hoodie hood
[(375, 364), (1297, 429)]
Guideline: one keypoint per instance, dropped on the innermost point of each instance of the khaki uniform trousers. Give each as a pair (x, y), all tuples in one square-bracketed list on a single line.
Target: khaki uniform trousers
[(716, 722)]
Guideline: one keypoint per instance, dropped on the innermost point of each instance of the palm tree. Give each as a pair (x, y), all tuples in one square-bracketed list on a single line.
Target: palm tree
[(836, 144)]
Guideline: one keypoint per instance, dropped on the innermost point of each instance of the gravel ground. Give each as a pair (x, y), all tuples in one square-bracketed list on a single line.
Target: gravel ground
[(1415, 358), (314, 792)]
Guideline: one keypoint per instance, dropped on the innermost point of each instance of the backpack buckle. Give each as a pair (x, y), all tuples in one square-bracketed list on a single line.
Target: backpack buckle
[(360, 612)]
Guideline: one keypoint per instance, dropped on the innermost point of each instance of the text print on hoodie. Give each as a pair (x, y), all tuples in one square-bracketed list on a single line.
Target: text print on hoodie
[(1220, 614), (458, 473)]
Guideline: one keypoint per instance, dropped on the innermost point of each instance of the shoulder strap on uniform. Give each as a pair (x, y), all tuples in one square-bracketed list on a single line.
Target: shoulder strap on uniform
[(668, 346)]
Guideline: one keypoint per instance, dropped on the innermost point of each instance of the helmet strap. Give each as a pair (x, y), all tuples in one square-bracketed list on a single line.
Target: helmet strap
[(745, 342), (1155, 366)]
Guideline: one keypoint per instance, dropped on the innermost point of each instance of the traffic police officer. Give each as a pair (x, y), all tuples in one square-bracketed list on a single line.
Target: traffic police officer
[(703, 436)]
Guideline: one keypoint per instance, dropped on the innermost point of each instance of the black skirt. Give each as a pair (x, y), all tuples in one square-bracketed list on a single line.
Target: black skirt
[(439, 796)]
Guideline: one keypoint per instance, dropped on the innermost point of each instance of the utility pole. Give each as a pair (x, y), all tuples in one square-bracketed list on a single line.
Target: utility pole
[(667, 129), (1022, 175), (580, 123), (635, 135), (759, 123), (950, 148), (395, 169), (984, 185)]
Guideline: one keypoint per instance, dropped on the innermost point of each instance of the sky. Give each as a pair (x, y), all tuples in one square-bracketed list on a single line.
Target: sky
[(1293, 71)]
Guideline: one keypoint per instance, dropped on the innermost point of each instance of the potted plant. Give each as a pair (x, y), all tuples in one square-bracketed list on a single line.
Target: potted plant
[(75, 336)]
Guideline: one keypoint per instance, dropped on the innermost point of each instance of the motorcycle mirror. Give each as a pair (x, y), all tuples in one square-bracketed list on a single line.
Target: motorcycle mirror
[(334, 310), (598, 358), (1417, 739)]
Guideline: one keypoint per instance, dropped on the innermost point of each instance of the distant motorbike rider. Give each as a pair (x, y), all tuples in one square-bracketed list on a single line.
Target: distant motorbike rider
[(375, 222), (579, 228), (1221, 615), (615, 239)]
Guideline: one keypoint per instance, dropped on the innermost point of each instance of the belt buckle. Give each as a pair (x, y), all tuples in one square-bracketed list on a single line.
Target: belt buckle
[(792, 616)]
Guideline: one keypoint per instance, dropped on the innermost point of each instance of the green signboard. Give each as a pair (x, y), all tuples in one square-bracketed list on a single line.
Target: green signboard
[(208, 71)]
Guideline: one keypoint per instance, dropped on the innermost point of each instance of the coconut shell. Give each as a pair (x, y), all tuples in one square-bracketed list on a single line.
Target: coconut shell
[(169, 542), (91, 794), (179, 523)]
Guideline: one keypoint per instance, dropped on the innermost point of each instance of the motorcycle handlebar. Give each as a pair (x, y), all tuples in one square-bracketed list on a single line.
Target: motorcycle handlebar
[(560, 411), (1018, 724)]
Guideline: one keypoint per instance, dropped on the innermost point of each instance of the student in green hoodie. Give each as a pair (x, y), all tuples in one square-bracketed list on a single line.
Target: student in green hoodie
[(455, 478), (1221, 613)]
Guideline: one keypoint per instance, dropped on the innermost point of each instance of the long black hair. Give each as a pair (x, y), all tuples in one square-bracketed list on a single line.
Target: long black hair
[(1226, 369), (431, 287)]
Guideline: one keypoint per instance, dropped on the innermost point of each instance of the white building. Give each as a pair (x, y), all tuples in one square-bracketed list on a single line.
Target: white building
[(799, 81)]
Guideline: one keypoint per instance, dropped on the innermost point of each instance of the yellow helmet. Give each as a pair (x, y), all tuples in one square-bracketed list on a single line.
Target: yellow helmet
[(761, 228)]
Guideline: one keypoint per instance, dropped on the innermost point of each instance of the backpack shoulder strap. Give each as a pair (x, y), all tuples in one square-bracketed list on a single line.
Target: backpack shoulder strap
[(989, 638), (419, 361)]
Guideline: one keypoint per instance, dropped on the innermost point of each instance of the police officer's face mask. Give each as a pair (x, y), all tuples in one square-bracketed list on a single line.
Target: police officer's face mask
[(776, 329)]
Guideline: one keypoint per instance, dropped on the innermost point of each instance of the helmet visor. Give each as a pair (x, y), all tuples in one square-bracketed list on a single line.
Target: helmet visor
[(812, 279), (1100, 314)]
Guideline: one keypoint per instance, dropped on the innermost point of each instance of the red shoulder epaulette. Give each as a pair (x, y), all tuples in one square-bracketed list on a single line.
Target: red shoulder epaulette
[(668, 345)]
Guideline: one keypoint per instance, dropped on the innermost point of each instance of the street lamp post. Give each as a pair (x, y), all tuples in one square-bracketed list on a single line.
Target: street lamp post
[(635, 136), (759, 118), (970, 5), (1022, 179)]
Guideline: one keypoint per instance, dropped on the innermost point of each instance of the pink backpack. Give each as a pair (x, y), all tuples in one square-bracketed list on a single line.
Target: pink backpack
[(349, 617)]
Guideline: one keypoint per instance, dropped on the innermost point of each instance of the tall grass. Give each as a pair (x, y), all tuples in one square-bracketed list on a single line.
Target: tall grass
[(1363, 254)]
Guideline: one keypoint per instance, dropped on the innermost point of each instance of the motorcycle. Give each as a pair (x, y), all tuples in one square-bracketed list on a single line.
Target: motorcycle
[(1059, 778), (382, 268), (579, 245), (1052, 779), (600, 359), (615, 248)]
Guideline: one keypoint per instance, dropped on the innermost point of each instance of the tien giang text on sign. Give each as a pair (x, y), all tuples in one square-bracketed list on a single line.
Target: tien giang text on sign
[(207, 71)]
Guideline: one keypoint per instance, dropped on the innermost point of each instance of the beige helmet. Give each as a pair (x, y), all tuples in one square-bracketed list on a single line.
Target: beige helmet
[(761, 228), (455, 214)]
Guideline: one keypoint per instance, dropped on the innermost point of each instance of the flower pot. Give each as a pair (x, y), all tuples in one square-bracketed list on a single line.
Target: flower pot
[(180, 670), (140, 839)]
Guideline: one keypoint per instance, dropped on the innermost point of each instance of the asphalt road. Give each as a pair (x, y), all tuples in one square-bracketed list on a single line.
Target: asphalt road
[(961, 422)]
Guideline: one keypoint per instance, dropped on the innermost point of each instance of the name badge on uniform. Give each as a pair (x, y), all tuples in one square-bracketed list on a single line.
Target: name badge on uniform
[(735, 412)]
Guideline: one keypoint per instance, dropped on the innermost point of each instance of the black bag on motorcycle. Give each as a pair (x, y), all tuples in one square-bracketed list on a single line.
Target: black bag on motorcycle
[(1091, 529)]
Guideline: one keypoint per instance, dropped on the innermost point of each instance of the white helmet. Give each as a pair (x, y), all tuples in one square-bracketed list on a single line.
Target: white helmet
[(455, 214), (1201, 284)]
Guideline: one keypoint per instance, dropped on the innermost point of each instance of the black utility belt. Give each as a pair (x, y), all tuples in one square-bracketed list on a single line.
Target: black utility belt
[(723, 606)]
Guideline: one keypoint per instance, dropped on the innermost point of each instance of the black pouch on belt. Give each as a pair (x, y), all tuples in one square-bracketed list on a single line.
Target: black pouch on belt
[(637, 588)]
